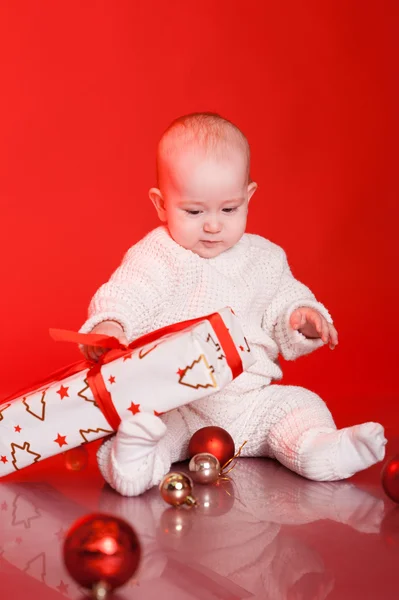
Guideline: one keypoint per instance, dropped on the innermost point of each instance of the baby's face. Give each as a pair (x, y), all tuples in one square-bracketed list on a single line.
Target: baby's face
[(206, 201)]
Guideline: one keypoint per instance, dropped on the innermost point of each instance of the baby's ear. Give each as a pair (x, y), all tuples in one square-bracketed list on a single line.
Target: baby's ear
[(252, 187), (158, 201)]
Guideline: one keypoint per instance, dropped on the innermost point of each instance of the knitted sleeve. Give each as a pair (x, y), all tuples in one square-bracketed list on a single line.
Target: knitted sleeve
[(291, 294), (136, 291)]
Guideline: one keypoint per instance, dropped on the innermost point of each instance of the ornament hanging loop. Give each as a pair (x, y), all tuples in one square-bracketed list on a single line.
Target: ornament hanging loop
[(223, 473), (191, 501)]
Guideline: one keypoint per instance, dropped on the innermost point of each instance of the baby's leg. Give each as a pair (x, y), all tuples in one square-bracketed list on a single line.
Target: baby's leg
[(302, 435), (141, 452)]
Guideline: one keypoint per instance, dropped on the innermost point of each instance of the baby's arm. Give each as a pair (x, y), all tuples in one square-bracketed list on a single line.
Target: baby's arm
[(277, 320), (125, 306)]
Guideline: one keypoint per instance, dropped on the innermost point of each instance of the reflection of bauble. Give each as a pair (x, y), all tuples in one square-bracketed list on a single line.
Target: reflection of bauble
[(76, 459), (101, 548), (390, 530), (215, 500), (173, 526), (204, 468)]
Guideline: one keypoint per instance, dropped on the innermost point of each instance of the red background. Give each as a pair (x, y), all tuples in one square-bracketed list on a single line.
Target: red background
[(88, 87)]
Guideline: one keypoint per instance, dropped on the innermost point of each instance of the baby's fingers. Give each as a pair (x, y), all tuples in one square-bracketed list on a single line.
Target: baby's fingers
[(296, 319), (333, 336), (315, 319), (325, 333), (93, 352)]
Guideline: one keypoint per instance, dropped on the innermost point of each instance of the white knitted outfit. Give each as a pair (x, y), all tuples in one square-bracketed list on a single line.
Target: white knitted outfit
[(160, 283)]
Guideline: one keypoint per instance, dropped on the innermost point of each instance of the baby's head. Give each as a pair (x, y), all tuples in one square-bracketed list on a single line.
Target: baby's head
[(204, 185)]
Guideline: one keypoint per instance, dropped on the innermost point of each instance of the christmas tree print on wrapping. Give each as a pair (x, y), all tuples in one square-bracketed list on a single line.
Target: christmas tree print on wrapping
[(143, 352), (217, 346), (85, 433), (36, 405), (196, 377), (82, 395), (20, 455), (36, 567), (22, 512), (3, 409)]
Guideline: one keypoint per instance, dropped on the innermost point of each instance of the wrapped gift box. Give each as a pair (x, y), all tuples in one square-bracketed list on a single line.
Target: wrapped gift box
[(86, 401)]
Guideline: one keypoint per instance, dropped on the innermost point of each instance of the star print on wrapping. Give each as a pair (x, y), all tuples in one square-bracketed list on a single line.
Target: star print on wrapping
[(192, 375), (4, 459), (63, 587), (61, 440), (60, 535), (134, 408), (17, 428), (36, 405), (63, 392), (23, 455)]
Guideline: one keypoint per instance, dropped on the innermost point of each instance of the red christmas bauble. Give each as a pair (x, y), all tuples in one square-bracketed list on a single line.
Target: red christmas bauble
[(390, 478), (101, 548), (76, 459), (214, 440)]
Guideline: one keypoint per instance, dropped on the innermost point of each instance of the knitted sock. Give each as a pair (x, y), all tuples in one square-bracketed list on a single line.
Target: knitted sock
[(339, 454), (141, 452), (323, 453), (127, 461)]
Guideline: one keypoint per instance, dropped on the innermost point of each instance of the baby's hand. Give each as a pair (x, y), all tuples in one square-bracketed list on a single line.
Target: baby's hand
[(110, 328), (312, 324)]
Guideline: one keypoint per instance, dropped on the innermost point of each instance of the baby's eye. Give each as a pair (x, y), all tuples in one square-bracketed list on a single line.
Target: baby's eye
[(230, 210), (193, 212)]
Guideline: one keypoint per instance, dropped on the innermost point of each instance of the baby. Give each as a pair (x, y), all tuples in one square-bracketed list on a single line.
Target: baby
[(197, 262)]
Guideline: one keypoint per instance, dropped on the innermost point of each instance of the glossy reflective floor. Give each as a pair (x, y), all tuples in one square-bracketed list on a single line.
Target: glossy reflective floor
[(266, 534)]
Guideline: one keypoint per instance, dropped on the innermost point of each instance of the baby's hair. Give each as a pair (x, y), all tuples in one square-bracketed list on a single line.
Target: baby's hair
[(207, 131)]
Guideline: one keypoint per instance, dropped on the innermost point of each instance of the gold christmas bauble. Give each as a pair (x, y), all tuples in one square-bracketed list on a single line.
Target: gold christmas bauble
[(204, 468), (176, 489)]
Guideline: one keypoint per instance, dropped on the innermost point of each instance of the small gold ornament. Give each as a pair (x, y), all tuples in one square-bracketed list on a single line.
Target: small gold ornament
[(176, 489), (204, 468)]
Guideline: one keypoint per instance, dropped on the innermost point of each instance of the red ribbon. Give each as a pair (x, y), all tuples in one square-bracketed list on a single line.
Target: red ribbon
[(116, 350)]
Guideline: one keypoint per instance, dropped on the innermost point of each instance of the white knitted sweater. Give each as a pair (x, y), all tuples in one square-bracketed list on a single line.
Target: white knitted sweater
[(160, 283)]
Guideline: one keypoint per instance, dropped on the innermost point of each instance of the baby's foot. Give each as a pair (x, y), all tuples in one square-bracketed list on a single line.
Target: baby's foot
[(339, 454)]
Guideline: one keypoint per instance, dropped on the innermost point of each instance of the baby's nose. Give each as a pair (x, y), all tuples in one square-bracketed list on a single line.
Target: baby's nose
[(212, 225)]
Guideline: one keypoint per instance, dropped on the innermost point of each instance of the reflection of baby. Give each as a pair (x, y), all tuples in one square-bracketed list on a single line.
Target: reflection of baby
[(236, 531), (199, 261)]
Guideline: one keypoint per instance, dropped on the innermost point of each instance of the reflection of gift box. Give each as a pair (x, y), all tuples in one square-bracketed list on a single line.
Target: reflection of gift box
[(34, 520), (86, 401)]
